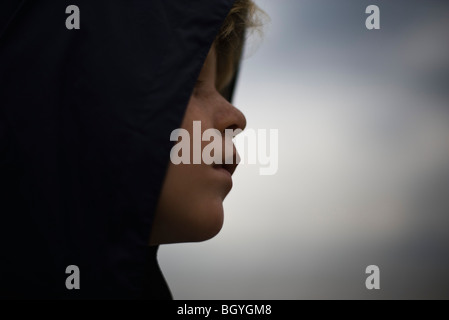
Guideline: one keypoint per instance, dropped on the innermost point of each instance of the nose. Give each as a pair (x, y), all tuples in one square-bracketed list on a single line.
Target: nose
[(229, 117)]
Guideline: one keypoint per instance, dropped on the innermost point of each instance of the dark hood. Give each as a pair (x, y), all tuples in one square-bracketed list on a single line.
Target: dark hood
[(85, 121)]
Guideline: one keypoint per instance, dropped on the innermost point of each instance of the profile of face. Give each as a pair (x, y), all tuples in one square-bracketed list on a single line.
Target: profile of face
[(190, 207)]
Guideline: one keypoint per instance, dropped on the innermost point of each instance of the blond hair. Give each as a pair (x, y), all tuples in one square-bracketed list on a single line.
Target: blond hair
[(229, 42)]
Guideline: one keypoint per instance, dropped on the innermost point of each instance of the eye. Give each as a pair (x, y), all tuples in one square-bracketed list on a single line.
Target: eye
[(199, 83)]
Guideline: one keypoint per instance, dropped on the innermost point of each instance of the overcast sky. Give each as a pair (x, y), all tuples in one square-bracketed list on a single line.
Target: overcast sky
[(363, 178)]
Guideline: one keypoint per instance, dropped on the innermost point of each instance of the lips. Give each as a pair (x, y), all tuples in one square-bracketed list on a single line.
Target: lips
[(228, 167), (234, 159)]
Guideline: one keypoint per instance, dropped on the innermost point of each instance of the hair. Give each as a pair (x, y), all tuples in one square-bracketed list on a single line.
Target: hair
[(229, 43)]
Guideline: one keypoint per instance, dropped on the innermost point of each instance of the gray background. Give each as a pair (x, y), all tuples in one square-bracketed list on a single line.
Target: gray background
[(363, 119)]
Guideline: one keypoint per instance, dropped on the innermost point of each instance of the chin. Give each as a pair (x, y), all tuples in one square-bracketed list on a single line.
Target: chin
[(194, 216), (208, 222)]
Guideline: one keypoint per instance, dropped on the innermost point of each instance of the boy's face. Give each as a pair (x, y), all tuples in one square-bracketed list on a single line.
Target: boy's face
[(190, 206)]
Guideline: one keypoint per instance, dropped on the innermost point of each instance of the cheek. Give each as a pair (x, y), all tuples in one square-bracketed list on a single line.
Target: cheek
[(200, 179), (197, 110), (191, 202)]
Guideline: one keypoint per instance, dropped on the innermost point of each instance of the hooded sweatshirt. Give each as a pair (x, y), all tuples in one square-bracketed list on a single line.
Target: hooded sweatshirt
[(85, 119)]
